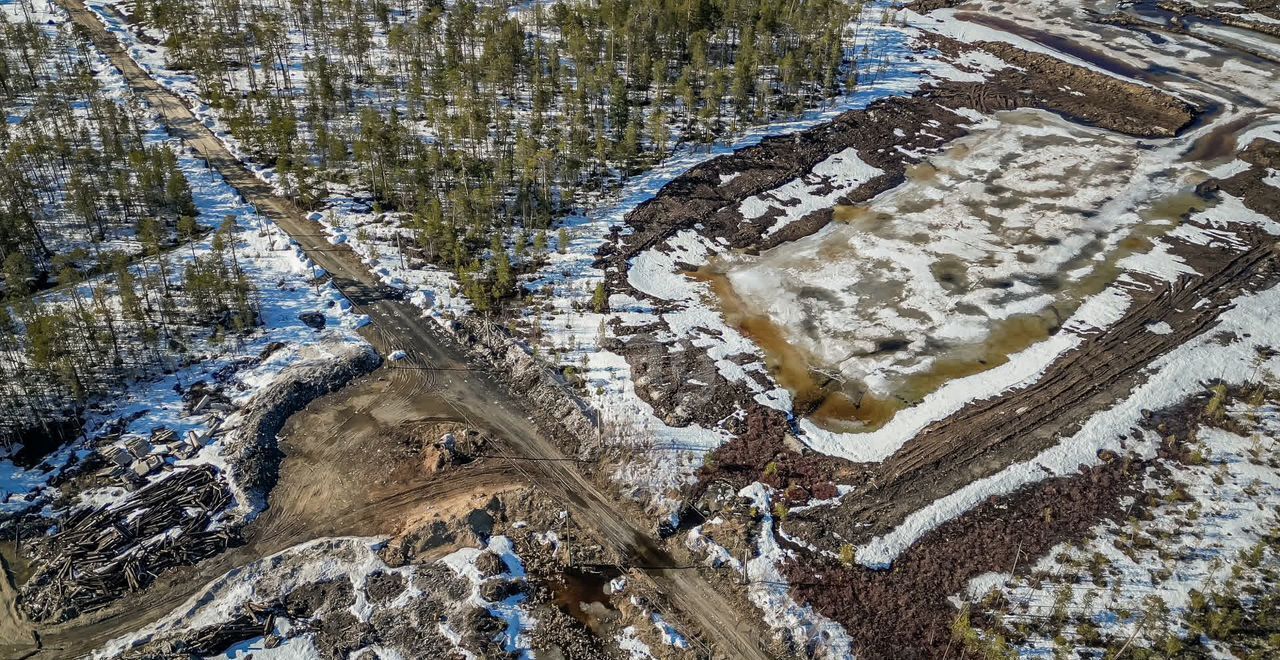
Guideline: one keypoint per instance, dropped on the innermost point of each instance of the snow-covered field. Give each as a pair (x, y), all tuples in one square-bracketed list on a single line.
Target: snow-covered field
[(995, 232), (1171, 378), (997, 203)]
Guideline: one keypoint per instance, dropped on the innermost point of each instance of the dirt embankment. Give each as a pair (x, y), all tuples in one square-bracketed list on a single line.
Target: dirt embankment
[(1176, 23), (1229, 15), (559, 413), (256, 455), (890, 134), (881, 133)]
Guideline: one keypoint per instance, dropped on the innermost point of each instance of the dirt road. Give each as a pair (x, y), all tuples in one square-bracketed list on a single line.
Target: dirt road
[(474, 394)]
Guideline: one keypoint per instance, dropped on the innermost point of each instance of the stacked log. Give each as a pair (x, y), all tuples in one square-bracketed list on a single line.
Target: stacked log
[(100, 554)]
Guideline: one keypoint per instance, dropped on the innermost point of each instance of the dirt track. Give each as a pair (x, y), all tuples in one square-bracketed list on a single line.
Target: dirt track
[(472, 394), (336, 480)]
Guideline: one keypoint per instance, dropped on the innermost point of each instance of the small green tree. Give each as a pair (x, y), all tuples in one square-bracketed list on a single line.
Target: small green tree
[(600, 299)]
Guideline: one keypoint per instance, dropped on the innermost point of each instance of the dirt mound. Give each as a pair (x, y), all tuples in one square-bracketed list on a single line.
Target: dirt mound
[(764, 451), (255, 461)]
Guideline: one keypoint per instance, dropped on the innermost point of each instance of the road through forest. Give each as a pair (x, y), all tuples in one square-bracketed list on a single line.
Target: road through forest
[(475, 395)]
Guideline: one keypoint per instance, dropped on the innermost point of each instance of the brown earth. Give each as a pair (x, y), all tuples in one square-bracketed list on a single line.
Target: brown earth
[(905, 612), (343, 474)]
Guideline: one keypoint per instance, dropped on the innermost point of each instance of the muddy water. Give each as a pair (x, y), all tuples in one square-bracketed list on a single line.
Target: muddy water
[(835, 403), (583, 595)]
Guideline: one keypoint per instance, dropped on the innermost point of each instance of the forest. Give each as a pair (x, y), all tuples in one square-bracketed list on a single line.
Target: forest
[(96, 289), (473, 126), (481, 124)]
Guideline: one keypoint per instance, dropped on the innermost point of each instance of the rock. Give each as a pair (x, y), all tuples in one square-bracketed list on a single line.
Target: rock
[(480, 522), (495, 591), (277, 345), (489, 564), (313, 320)]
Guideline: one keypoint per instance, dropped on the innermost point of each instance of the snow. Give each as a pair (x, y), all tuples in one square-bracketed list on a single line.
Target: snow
[(292, 648), (510, 610), (1170, 379), (225, 597), (838, 175), (632, 645), (1228, 508), (770, 592), (836, 296), (670, 636), (325, 560)]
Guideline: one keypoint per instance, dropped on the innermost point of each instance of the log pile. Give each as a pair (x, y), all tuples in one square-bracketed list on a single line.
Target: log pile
[(253, 622), (100, 554)]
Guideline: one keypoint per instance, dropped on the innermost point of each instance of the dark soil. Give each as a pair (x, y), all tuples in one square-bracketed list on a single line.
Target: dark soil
[(762, 453), (1248, 185), (903, 612)]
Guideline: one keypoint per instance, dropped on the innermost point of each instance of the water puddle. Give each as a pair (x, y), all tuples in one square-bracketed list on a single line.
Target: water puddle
[(982, 253), (583, 594)]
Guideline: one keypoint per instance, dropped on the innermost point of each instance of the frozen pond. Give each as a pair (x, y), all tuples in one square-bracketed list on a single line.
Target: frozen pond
[(985, 250)]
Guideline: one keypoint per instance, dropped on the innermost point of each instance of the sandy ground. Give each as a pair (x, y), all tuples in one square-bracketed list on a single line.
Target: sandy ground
[(345, 473)]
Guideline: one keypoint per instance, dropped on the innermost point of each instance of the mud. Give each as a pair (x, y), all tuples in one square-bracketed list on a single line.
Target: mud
[(256, 455)]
